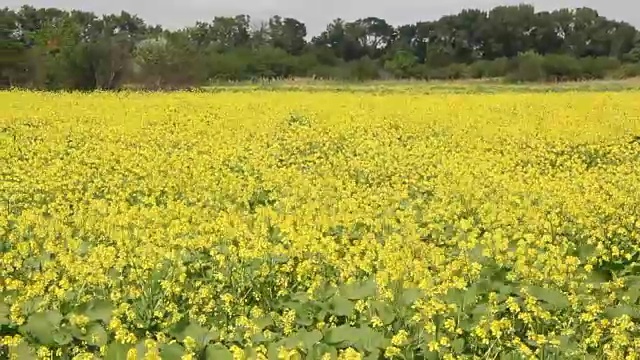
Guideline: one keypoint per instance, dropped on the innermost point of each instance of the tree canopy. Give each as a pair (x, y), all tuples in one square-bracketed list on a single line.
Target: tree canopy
[(49, 48)]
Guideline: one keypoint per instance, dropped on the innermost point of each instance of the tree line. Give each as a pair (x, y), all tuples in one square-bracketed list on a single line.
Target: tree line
[(50, 48)]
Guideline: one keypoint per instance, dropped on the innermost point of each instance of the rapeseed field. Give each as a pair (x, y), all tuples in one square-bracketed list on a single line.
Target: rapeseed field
[(293, 225)]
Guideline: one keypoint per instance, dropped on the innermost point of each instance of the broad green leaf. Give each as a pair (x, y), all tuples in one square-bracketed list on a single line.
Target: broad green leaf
[(633, 293), (99, 310), (454, 296), (373, 355), (431, 355), (117, 351), (5, 314), (217, 352), (326, 293), (342, 306), (359, 291), (510, 355), (457, 345), (568, 344), (42, 326), (264, 322), (195, 331), (554, 297), (300, 297), (319, 350), (96, 335), (409, 296), (585, 251), (273, 350), (171, 351), (369, 340), (384, 312), (304, 320), (480, 310), (62, 337), (621, 310), (53, 317), (291, 342), (250, 353), (24, 351), (141, 349), (340, 334), (309, 338)]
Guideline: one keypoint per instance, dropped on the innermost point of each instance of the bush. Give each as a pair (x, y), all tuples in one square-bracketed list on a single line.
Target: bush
[(451, 72), (562, 67), (401, 65), (598, 67), (489, 68), (627, 71), (364, 69), (530, 67)]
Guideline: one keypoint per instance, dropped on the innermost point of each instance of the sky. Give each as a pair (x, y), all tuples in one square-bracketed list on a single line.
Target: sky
[(317, 14)]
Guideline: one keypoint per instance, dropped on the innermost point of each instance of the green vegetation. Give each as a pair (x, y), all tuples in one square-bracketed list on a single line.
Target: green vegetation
[(55, 49)]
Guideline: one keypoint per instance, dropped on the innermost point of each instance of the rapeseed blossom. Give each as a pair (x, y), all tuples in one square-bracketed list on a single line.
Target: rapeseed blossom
[(329, 225)]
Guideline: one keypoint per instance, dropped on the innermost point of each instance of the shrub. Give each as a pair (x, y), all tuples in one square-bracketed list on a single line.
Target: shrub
[(598, 67), (530, 67), (562, 67)]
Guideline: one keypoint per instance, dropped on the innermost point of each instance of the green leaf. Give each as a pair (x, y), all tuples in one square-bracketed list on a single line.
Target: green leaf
[(457, 345), (99, 310), (309, 338), (53, 317), (384, 312), (585, 251), (568, 344), (171, 351), (304, 320), (369, 340), (42, 326), (373, 355), (553, 297), (409, 296), (342, 306), (62, 337), (480, 310), (5, 314), (340, 334), (321, 349), (359, 291), (117, 351), (31, 306), (454, 296), (96, 335), (24, 351), (633, 293), (195, 331), (431, 355), (291, 342), (141, 349), (511, 355), (621, 310), (218, 352), (326, 293), (264, 322), (250, 352)]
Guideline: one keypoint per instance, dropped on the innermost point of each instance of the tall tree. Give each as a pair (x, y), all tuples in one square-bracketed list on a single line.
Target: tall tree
[(287, 34)]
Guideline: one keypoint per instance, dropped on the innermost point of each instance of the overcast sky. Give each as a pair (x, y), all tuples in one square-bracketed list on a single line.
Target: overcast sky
[(316, 14)]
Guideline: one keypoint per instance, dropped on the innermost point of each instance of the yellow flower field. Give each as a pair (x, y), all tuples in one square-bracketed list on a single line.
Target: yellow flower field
[(293, 225)]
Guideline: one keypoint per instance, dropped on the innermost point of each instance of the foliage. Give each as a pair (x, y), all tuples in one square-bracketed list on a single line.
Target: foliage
[(49, 48), (257, 224)]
